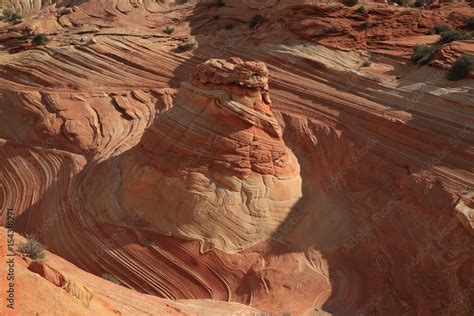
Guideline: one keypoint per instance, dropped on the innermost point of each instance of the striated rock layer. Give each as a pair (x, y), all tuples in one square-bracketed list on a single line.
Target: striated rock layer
[(175, 173), (62, 288), (220, 151)]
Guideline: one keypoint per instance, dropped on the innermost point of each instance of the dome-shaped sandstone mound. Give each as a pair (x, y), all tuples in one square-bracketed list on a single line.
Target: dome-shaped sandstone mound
[(215, 167)]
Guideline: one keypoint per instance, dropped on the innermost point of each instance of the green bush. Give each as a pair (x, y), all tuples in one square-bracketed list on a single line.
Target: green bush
[(361, 10), (10, 16), (168, 30), (23, 37), (32, 248), (422, 54), (453, 35), (403, 3), (461, 68), (365, 25), (419, 4), (180, 2), (350, 3), (334, 28), (255, 21), (40, 39), (442, 28), (111, 278), (184, 47), (366, 63), (469, 24)]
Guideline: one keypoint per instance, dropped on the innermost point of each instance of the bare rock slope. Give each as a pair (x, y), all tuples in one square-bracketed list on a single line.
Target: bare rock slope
[(282, 163)]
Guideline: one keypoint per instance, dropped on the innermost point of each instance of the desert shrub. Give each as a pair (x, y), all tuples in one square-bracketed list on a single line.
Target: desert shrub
[(454, 35), (419, 3), (10, 16), (422, 54), (366, 63), (220, 3), (23, 37), (184, 47), (461, 68), (216, 17), (180, 2), (334, 28), (255, 21), (442, 28), (365, 25), (40, 39), (469, 24), (361, 10), (229, 26), (350, 3), (111, 278), (403, 3), (168, 30), (32, 248)]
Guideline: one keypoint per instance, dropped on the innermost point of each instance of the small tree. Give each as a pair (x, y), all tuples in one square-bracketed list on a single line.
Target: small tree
[(40, 39), (255, 21), (365, 25), (361, 10), (403, 3), (350, 3), (422, 54), (184, 47), (334, 28), (469, 24), (32, 248), (419, 3), (442, 28), (453, 35), (229, 26), (168, 30), (461, 68), (10, 16), (24, 36), (220, 3)]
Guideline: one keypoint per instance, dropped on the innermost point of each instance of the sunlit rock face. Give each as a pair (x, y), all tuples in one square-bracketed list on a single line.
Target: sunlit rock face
[(125, 157), (215, 167)]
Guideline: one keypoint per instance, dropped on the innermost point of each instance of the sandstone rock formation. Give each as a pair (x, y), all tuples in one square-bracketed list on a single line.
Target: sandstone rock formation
[(291, 166), (220, 150), (56, 287)]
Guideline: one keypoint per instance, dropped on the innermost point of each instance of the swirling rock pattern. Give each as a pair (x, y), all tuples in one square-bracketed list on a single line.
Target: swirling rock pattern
[(60, 287), (220, 149), (349, 191), (376, 31)]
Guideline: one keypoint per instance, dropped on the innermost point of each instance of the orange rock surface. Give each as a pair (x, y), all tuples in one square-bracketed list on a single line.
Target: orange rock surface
[(299, 164), (57, 287)]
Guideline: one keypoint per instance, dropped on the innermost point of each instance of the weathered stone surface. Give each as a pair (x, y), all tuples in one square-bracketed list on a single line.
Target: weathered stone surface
[(263, 166), (220, 151)]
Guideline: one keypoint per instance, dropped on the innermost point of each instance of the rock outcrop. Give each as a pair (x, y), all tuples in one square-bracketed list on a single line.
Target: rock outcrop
[(348, 191), (383, 30), (57, 287), (221, 151)]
